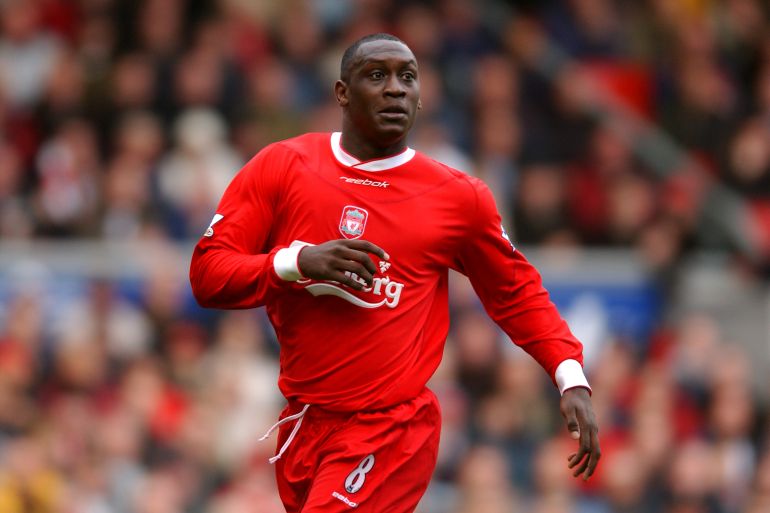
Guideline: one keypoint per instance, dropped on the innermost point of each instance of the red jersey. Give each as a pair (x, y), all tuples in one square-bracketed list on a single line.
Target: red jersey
[(349, 350)]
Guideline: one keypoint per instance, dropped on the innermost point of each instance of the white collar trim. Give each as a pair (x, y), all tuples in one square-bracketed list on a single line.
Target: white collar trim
[(349, 160)]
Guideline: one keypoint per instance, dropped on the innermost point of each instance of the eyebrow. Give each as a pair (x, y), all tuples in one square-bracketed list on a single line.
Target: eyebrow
[(366, 62)]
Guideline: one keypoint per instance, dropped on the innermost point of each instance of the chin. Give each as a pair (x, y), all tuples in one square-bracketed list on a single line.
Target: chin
[(393, 131), (389, 138)]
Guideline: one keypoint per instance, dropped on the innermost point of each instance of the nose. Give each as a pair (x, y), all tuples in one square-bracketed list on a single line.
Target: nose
[(394, 87)]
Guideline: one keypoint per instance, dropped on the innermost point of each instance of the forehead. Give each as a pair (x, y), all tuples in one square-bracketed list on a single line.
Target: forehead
[(384, 51)]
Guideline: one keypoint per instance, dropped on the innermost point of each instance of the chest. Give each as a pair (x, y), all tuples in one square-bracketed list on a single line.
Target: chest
[(414, 220)]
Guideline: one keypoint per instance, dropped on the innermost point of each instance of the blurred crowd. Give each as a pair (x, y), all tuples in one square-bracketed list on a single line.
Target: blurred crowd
[(642, 125)]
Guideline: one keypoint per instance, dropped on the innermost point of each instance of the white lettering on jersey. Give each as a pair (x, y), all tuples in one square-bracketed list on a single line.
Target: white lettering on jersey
[(214, 220), (344, 499), (364, 181), (380, 286)]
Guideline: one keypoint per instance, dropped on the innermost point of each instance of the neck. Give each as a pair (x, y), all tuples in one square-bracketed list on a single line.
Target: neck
[(365, 149)]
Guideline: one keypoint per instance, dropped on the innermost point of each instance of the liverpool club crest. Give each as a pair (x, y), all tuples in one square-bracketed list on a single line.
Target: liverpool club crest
[(353, 222)]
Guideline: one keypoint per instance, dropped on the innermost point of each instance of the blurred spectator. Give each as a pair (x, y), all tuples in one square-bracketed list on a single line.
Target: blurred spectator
[(194, 174), (130, 185), (540, 212), (27, 54), (748, 166), (15, 219), (68, 167), (28, 480)]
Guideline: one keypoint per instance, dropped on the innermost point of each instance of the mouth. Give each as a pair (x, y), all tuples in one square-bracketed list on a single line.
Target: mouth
[(393, 113), (394, 109)]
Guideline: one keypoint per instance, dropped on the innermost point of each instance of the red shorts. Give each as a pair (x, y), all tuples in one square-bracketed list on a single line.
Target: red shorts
[(376, 461)]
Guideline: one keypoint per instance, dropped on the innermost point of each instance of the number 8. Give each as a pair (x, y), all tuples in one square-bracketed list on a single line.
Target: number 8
[(356, 479)]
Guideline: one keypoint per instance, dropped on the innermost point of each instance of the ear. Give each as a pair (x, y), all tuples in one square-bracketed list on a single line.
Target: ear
[(419, 104), (341, 93)]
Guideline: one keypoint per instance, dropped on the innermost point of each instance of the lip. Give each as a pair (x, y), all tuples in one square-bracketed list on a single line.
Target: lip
[(393, 115), (394, 109)]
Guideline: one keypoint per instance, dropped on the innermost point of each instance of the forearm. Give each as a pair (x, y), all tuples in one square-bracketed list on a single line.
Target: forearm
[(223, 278), (523, 309)]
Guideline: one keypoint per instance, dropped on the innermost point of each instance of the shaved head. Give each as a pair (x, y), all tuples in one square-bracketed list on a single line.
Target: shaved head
[(348, 58)]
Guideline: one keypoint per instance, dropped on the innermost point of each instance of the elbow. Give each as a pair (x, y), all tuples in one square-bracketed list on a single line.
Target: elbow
[(203, 299), (201, 289), (202, 296), (209, 289)]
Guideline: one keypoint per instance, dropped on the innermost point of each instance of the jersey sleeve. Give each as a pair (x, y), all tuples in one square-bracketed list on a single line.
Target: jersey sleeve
[(232, 265), (511, 290)]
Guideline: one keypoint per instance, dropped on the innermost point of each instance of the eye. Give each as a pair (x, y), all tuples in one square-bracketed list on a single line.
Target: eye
[(377, 75), (408, 76)]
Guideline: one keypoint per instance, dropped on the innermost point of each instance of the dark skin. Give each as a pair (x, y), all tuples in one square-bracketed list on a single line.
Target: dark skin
[(379, 101)]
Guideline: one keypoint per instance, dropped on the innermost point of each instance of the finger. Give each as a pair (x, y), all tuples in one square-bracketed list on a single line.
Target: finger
[(341, 277), (596, 454), (581, 468), (583, 449), (572, 424), (576, 458), (360, 256), (580, 462), (369, 247), (589, 446), (358, 269)]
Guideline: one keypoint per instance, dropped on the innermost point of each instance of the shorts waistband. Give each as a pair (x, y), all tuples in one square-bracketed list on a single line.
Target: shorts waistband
[(321, 411)]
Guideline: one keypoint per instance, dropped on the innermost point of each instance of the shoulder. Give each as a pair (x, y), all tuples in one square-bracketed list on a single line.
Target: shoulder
[(305, 144), (300, 145), (278, 156), (459, 183)]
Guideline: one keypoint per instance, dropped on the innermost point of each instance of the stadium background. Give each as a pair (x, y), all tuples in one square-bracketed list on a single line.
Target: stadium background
[(628, 146)]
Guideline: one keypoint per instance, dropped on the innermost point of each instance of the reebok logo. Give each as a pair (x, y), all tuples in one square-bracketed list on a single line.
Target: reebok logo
[(344, 499), (364, 181)]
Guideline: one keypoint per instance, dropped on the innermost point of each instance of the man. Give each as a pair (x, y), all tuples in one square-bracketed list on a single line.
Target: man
[(347, 239)]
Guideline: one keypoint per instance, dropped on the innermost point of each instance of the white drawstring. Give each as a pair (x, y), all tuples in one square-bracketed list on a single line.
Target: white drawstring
[(296, 416)]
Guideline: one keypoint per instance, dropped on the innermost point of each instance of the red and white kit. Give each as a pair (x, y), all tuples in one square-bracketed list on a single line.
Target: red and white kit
[(350, 352)]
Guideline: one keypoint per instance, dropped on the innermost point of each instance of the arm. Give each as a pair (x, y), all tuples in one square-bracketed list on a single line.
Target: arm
[(513, 295), (231, 266)]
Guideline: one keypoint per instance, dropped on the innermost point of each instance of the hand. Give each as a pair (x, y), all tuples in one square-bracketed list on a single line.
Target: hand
[(330, 260), (577, 410)]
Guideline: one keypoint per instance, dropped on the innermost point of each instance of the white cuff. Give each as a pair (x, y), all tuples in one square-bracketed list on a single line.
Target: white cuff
[(285, 263), (569, 374)]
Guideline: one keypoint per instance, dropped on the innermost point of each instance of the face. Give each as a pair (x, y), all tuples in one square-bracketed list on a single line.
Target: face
[(380, 98)]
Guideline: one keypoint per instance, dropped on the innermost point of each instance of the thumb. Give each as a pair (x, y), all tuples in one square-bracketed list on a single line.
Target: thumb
[(573, 426)]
